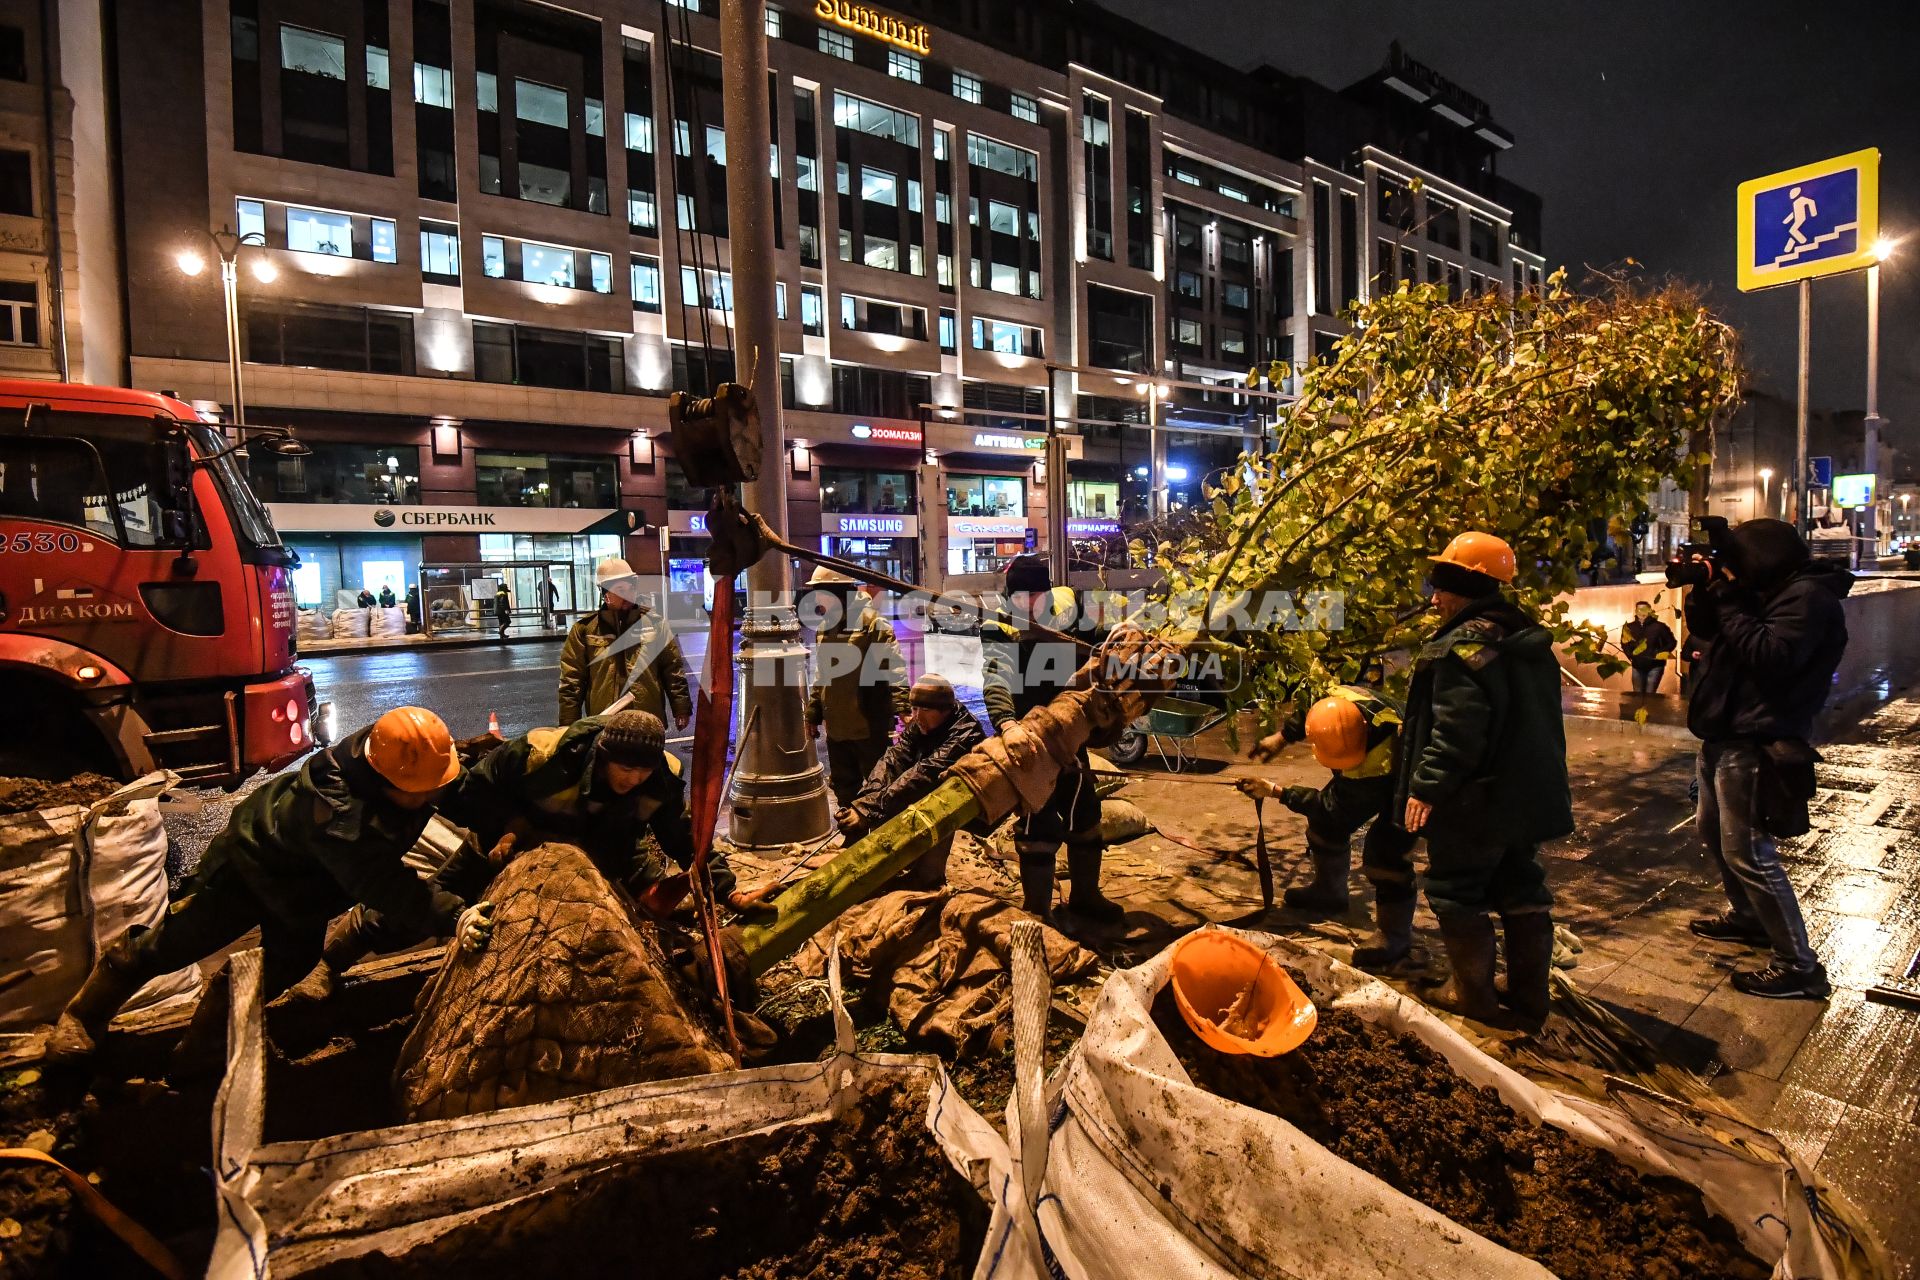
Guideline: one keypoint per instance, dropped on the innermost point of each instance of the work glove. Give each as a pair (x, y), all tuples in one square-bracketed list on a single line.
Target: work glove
[(475, 928), (502, 852), (1257, 788), (852, 823), (744, 900), (1269, 747)]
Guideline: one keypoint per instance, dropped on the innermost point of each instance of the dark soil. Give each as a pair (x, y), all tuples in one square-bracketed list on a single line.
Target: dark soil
[(868, 1198), (1392, 1106), (24, 795), (985, 1078)]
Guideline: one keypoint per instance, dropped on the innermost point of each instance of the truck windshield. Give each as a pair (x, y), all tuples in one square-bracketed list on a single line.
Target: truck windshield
[(107, 475), (250, 518)]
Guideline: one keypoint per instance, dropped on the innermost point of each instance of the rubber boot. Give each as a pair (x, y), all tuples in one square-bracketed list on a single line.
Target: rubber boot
[(1470, 952), (1083, 881), (115, 976), (1036, 882), (1529, 939), (1327, 895), (1392, 942)]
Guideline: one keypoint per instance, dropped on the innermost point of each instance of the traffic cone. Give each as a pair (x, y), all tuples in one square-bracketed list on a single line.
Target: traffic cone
[(493, 724)]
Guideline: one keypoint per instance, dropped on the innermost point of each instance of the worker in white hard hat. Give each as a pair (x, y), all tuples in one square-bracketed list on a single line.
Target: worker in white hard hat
[(859, 682), (622, 647)]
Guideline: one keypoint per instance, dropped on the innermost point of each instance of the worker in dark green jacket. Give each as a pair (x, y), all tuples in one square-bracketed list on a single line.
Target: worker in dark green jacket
[(603, 783), (1482, 775), (1023, 669), (859, 685), (297, 852)]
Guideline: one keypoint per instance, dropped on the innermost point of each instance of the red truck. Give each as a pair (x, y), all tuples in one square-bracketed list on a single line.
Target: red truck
[(146, 606)]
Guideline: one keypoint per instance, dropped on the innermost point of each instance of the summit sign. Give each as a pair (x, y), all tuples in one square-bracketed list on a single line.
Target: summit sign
[(911, 36)]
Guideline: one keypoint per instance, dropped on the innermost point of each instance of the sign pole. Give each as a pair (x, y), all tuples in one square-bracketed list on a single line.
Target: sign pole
[(1802, 504), (1869, 522)]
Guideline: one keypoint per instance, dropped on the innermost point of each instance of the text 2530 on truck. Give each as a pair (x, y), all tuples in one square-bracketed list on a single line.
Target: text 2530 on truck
[(146, 608)]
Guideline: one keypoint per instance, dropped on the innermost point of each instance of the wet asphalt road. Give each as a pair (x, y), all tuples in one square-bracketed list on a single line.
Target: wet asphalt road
[(516, 681)]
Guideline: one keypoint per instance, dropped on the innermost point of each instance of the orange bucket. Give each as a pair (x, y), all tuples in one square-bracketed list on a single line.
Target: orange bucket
[(1237, 998)]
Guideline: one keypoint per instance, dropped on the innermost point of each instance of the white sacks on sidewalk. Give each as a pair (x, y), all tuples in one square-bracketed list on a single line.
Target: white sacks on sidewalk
[(72, 879), (350, 624), (1141, 1173), (313, 625), (387, 622)]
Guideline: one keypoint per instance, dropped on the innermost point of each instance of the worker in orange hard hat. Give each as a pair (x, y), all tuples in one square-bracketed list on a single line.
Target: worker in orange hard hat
[(296, 852), (1482, 776), (1353, 731)]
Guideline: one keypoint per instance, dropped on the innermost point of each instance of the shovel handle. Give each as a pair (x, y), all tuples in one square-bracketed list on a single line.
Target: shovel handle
[(1260, 855)]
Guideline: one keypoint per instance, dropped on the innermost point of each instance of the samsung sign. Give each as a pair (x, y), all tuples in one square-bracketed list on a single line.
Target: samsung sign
[(865, 526), (1000, 440)]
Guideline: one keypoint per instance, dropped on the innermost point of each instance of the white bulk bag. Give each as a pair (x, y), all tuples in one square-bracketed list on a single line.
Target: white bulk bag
[(350, 624), (290, 1207), (73, 879), (1141, 1173), (314, 624), (387, 622)]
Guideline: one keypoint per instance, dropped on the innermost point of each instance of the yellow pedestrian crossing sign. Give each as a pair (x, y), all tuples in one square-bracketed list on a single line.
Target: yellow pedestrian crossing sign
[(1817, 220)]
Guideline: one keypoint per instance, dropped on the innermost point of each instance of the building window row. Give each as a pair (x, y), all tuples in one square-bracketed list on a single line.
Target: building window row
[(547, 264), (1195, 172), (307, 230)]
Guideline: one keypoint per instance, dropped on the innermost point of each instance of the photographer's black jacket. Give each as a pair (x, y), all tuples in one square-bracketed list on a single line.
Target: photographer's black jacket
[(1770, 657)]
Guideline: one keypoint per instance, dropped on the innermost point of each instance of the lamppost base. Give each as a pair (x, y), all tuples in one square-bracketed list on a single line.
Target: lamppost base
[(779, 791)]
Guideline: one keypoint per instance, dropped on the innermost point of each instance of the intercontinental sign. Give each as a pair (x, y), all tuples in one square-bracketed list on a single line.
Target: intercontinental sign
[(872, 22)]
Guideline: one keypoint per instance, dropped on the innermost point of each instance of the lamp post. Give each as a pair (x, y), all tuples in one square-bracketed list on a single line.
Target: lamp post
[(227, 244), (1882, 250), (1155, 392), (1766, 478)]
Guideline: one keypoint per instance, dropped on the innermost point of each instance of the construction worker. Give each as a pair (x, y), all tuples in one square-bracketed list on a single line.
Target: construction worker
[(1023, 669), (1353, 731), (602, 783), (939, 731), (859, 682), (295, 853), (1482, 775), (619, 648)]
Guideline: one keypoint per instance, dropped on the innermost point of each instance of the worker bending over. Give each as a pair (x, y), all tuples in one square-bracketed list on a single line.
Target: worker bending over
[(939, 732), (859, 685)]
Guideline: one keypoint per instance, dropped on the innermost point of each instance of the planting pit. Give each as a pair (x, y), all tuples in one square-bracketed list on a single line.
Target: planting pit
[(865, 1197), (1387, 1103)]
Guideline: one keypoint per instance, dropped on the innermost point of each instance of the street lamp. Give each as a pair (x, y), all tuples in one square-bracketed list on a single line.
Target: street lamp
[(227, 244), (1766, 477), (1155, 392), (1882, 250)]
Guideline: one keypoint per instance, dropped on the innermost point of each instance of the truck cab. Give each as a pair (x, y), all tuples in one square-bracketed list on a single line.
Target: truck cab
[(146, 607)]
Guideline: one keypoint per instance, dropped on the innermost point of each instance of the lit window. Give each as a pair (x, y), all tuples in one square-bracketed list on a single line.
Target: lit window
[(317, 231), (1016, 162), (642, 213), (639, 132), (948, 340), (313, 53), (1233, 342), (1191, 179), (250, 216), (1187, 284), (878, 184), (943, 270), (806, 173), (378, 68), (774, 17), (1003, 218), (913, 195), (1187, 332), (716, 144), (486, 90), (381, 236), (546, 264), (836, 44), (850, 112), (966, 86), (596, 118), (540, 103), (847, 309), (682, 140), (600, 268), (432, 86), (884, 254), (942, 207), (842, 178), (646, 284), (903, 66), (1005, 279), (1033, 284), (493, 257), (1024, 108), (813, 310), (846, 245), (683, 210), (1231, 193), (940, 144), (916, 263), (439, 252)]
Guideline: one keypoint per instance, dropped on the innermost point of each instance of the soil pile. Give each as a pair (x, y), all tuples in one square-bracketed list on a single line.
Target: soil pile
[(1392, 1106), (24, 795), (870, 1197)]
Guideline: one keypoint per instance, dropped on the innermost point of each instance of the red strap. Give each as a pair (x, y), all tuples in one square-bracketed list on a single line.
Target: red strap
[(712, 724)]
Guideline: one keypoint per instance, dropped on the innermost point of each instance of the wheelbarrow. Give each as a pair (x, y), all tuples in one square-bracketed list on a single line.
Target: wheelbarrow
[(1169, 731)]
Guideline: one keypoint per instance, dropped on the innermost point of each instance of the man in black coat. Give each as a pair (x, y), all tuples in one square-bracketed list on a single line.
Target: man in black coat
[(1772, 632), (939, 732), (1648, 643)]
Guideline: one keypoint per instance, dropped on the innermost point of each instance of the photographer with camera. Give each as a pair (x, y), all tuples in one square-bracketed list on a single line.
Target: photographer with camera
[(1771, 630)]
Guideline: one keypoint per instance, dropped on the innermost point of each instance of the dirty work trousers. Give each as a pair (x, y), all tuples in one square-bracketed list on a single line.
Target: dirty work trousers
[(1470, 875), (1345, 805), (848, 764), (217, 908), (1756, 882)]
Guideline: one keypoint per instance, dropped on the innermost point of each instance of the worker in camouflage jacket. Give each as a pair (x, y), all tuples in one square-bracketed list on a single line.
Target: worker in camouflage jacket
[(939, 732), (296, 852), (1482, 775), (1354, 731), (860, 682), (1022, 669), (622, 647)]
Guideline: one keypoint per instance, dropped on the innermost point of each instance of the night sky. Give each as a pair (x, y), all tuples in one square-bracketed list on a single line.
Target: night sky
[(1636, 120)]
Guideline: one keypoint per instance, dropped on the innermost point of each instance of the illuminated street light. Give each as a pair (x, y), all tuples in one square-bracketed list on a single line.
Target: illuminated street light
[(227, 244), (189, 262)]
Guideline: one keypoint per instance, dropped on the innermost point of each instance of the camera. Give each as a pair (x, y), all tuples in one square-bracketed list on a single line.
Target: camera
[(1710, 540)]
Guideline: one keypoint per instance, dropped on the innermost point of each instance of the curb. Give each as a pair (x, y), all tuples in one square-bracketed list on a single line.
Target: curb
[(350, 648)]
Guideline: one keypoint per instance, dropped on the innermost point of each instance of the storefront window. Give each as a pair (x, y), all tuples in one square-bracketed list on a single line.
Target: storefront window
[(571, 561), (544, 480), (1093, 498), (338, 473), (881, 492), (986, 496)]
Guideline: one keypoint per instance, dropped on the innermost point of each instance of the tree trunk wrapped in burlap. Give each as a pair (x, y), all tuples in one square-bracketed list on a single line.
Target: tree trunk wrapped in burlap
[(572, 995)]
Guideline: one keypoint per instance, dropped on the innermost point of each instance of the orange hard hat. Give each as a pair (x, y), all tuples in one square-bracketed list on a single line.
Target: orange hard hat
[(1337, 730), (1237, 998), (1482, 553), (411, 748)]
